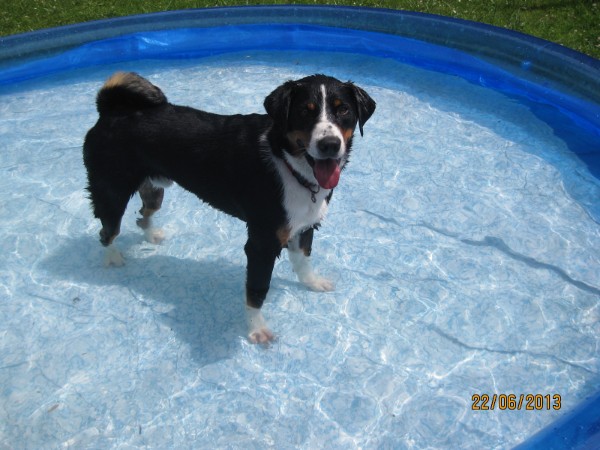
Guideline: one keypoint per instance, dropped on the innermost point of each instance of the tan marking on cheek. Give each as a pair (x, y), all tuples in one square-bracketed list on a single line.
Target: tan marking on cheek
[(283, 235), (299, 141), (347, 133)]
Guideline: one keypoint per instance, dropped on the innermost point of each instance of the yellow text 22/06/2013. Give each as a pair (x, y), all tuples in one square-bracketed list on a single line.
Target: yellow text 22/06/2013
[(515, 402)]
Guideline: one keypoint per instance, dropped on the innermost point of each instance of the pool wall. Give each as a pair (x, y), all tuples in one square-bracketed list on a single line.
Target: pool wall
[(524, 56), (504, 60), (580, 429)]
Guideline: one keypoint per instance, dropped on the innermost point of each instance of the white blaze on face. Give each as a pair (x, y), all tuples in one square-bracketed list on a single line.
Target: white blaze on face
[(324, 128), (327, 168)]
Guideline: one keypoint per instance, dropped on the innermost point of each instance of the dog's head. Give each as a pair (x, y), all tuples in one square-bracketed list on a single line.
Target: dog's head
[(318, 116)]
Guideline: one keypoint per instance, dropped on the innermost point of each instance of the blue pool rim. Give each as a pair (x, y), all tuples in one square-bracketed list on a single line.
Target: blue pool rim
[(571, 78)]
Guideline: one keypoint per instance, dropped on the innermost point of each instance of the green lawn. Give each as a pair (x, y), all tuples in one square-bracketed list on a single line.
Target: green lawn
[(573, 23)]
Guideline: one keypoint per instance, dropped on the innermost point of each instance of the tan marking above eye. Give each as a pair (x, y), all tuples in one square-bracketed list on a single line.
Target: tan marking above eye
[(311, 106), (337, 102)]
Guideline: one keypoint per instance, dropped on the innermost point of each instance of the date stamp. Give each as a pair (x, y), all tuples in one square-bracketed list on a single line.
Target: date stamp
[(515, 402)]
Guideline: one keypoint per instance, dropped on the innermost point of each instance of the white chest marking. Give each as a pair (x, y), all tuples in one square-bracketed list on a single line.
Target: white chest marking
[(302, 212)]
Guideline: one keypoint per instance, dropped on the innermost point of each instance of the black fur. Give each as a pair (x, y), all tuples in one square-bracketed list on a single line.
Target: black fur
[(225, 160)]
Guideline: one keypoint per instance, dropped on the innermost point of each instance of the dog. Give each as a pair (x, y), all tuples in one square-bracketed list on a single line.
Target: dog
[(275, 171)]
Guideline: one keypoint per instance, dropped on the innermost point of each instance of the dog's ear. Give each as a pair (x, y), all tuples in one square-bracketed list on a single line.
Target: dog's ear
[(365, 105), (277, 104)]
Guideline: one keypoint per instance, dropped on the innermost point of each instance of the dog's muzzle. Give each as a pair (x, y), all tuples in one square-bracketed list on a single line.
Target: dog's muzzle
[(329, 147)]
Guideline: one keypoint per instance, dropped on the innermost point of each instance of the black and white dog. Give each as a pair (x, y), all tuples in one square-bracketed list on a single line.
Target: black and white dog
[(276, 172)]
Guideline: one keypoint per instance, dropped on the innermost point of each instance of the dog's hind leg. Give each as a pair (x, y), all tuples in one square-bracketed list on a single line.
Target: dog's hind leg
[(111, 226), (152, 198), (109, 204), (110, 230)]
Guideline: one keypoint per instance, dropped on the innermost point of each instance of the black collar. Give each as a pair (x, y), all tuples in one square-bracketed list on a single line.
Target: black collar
[(313, 188)]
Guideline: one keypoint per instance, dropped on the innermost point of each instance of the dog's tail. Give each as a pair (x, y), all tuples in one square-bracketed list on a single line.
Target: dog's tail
[(127, 91)]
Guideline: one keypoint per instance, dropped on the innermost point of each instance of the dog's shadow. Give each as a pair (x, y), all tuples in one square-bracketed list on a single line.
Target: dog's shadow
[(199, 299)]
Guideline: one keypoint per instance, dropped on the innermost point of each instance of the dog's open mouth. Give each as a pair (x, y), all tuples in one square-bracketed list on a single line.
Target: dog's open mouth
[(326, 171)]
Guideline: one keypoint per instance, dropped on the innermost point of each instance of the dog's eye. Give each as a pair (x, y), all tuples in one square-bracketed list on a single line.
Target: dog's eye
[(309, 109), (343, 110)]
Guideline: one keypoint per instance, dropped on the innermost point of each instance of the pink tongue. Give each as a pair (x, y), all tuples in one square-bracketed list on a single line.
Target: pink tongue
[(327, 172)]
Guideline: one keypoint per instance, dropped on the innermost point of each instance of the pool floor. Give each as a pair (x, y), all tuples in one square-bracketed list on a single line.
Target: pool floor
[(463, 239)]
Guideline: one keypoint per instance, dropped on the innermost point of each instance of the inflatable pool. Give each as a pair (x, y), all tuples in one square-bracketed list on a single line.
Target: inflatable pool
[(463, 240)]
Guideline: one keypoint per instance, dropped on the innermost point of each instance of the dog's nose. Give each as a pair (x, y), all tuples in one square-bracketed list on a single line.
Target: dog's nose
[(329, 146)]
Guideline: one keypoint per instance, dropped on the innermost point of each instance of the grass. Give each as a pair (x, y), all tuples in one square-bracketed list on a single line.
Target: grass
[(572, 23)]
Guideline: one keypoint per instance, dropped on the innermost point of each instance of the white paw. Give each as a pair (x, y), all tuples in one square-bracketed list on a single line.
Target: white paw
[(318, 283), (113, 257), (262, 336), (154, 235), (259, 332), (306, 275)]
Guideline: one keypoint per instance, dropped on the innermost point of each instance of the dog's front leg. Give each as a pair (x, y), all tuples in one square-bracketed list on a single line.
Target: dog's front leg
[(261, 253), (299, 250)]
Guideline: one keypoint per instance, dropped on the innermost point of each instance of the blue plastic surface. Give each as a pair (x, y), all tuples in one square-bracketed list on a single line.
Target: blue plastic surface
[(578, 430), (224, 31)]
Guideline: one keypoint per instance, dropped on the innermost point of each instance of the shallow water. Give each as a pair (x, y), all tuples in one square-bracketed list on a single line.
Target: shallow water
[(464, 241)]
